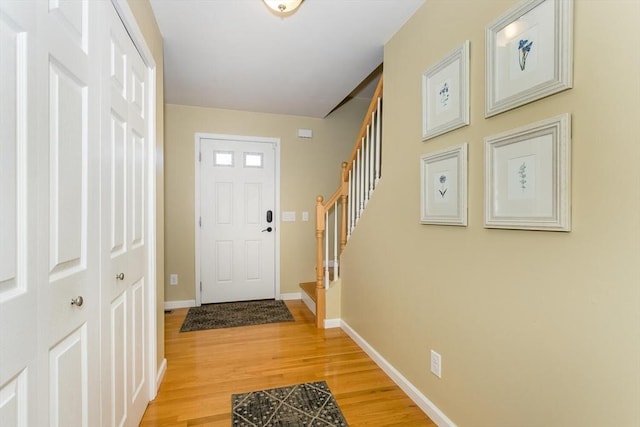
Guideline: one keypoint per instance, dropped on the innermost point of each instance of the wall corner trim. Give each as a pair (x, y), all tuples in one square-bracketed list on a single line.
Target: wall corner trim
[(427, 406), (162, 369), (332, 323)]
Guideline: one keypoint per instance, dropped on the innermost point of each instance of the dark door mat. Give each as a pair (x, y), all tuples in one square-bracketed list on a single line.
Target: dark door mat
[(234, 314), (310, 404)]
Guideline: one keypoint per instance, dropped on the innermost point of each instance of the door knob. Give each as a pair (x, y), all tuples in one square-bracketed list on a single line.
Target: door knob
[(77, 301), (120, 276), (268, 229)]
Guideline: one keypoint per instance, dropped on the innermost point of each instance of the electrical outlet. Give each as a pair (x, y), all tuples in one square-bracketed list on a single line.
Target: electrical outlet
[(173, 279), (436, 364)]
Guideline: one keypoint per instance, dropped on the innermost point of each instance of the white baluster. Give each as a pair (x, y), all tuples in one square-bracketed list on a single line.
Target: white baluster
[(335, 241), (358, 188), (378, 140), (372, 176), (367, 148), (354, 195), (326, 249), (349, 206), (361, 189)]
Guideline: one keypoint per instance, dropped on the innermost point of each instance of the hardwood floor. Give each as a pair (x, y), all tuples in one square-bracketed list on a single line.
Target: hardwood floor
[(204, 368)]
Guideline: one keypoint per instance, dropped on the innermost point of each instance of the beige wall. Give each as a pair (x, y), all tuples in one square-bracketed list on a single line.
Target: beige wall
[(534, 328), (308, 167), (143, 13)]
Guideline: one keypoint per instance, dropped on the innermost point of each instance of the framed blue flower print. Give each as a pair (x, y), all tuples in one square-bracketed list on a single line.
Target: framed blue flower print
[(528, 54), (445, 94)]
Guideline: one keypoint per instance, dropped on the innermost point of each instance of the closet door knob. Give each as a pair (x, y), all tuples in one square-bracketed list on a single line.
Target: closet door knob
[(120, 276), (77, 301)]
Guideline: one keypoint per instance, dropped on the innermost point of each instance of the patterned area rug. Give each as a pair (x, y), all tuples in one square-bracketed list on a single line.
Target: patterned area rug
[(309, 404), (233, 314)]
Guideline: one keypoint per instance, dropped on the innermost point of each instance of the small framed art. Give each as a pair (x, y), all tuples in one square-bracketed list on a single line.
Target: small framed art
[(445, 94), (528, 54), (527, 177), (443, 186)]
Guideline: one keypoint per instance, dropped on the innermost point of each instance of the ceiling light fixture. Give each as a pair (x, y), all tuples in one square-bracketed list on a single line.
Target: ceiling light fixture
[(283, 6)]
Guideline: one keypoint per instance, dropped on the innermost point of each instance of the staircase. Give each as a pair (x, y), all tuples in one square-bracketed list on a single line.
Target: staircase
[(336, 219)]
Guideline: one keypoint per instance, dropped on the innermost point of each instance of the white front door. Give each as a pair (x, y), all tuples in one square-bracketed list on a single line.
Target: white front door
[(125, 242), (238, 220)]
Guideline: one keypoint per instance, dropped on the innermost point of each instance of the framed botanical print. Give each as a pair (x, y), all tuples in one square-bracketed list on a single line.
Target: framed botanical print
[(445, 94), (528, 54)]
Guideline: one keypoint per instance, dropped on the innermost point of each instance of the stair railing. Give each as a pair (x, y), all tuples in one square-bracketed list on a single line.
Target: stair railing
[(337, 218)]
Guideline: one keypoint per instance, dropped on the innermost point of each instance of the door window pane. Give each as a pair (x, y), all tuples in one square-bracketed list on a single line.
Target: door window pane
[(223, 158), (252, 160)]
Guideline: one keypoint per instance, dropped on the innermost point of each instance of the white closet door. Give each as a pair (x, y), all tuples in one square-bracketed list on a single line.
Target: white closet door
[(49, 357), (18, 285), (63, 117), (68, 211), (123, 227)]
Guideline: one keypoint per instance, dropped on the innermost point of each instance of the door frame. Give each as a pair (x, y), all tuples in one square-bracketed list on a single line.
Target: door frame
[(155, 370), (235, 138)]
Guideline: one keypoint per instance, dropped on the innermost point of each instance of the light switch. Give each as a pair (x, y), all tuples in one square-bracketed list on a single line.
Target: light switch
[(288, 216), (305, 216)]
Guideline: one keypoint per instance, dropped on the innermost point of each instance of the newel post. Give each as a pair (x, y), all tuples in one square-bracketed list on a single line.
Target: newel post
[(343, 204), (320, 291)]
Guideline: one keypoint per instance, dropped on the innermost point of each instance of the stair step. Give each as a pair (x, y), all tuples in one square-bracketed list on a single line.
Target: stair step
[(309, 288)]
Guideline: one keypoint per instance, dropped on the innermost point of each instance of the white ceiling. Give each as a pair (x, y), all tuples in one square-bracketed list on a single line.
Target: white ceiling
[(237, 54)]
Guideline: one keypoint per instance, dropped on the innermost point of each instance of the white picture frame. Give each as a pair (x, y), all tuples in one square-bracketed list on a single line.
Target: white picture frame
[(529, 54), (445, 94), (528, 177), (443, 186)]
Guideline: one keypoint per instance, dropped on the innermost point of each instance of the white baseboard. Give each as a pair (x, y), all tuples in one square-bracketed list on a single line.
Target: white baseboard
[(170, 305), (427, 406), (162, 369), (332, 323), (290, 296), (306, 299)]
